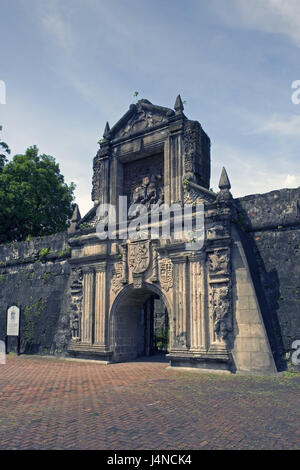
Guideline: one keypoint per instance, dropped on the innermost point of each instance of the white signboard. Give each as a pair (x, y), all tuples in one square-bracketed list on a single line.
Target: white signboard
[(13, 319)]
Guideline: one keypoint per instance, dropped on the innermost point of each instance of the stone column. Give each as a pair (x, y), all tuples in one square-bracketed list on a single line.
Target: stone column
[(88, 304), (100, 304)]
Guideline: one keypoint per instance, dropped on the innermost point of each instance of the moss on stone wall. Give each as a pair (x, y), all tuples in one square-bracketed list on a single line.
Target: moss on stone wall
[(31, 316)]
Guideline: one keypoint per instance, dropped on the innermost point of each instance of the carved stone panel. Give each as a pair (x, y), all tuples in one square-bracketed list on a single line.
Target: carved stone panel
[(119, 270), (76, 304), (117, 281), (98, 177), (165, 272), (219, 262), (197, 154)]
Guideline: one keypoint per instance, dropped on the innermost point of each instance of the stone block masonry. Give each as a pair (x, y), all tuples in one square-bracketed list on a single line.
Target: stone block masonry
[(34, 275)]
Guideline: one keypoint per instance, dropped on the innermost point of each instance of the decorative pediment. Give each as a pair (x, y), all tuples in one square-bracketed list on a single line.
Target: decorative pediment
[(140, 117), (195, 194)]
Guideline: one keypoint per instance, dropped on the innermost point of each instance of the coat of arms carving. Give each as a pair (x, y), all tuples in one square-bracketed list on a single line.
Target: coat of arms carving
[(166, 273), (139, 257)]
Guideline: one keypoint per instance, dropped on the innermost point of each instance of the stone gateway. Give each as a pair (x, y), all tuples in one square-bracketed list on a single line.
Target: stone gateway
[(118, 299)]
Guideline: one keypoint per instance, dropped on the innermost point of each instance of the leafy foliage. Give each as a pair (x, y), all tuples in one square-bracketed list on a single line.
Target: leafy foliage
[(5, 151), (34, 199)]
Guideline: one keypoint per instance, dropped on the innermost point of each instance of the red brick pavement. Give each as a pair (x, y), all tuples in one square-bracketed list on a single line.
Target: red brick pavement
[(57, 404)]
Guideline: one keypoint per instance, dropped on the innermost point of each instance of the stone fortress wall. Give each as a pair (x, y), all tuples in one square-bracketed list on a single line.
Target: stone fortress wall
[(35, 276), (270, 230)]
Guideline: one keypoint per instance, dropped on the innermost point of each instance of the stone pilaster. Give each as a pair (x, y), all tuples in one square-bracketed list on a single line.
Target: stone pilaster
[(180, 303), (173, 167), (100, 304), (197, 303), (88, 305)]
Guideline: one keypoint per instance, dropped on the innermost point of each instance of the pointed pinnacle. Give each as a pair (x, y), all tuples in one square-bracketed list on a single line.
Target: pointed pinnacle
[(106, 133), (178, 105), (76, 214), (224, 180)]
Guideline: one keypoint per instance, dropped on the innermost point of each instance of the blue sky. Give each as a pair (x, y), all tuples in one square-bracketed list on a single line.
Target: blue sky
[(71, 65)]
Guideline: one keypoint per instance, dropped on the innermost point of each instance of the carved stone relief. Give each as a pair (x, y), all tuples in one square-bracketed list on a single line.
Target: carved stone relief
[(76, 304), (119, 270), (140, 121), (165, 273), (98, 175), (144, 181), (219, 262), (220, 308), (118, 277)]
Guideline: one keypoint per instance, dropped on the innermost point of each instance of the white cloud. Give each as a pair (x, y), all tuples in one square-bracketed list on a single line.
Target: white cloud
[(248, 172), (271, 16), (288, 127), (292, 181), (60, 31)]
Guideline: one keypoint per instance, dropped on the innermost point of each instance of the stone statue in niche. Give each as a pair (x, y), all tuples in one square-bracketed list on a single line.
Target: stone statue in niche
[(220, 306)]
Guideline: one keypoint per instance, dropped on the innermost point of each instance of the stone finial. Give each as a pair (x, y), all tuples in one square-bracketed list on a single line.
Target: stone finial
[(178, 105), (106, 133), (76, 214), (224, 180), (74, 219), (224, 185)]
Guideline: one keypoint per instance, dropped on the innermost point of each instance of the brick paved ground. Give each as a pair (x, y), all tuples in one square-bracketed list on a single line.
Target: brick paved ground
[(58, 404)]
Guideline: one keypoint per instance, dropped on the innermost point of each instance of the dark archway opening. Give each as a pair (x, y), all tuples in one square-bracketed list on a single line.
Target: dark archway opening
[(141, 326), (156, 326)]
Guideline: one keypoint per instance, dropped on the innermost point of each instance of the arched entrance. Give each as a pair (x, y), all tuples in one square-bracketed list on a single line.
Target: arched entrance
[(139, 324)]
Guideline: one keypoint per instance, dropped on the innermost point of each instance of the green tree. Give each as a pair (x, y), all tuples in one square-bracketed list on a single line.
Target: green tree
[(5, 151), (34, 199)]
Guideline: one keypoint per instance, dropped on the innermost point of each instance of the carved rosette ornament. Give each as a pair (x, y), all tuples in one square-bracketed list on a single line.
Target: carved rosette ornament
[(76, 304), (139, 256), (220, 307), (165, 273)]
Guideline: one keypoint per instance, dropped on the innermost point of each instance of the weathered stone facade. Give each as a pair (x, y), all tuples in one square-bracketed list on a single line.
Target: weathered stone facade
[(217, 316)]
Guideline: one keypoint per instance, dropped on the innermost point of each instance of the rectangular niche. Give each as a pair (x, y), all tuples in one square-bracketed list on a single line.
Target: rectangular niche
[(143, 180)]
